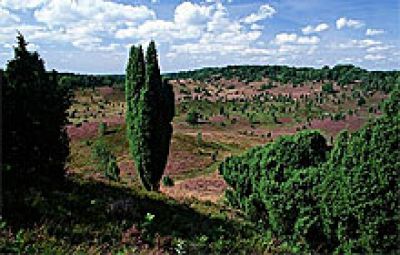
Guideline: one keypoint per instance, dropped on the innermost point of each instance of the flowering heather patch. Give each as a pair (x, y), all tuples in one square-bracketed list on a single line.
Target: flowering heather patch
[(351, 123)]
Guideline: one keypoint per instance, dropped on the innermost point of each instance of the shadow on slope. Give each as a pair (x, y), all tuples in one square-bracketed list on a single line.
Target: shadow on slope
[(85, 215)]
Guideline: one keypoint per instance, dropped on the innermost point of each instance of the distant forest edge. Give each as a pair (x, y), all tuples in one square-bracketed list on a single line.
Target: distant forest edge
[(342, 74)]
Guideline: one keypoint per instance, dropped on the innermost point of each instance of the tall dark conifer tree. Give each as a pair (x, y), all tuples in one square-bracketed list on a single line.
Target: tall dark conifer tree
[(34, 115), (149, 114)]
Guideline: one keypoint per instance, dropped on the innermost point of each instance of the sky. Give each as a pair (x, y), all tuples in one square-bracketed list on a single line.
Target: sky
[(94, 36)]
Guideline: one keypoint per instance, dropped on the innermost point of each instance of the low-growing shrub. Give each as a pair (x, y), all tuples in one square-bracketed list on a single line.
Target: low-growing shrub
[(102, 128), (192, 117), (167, 181), (105, 160)]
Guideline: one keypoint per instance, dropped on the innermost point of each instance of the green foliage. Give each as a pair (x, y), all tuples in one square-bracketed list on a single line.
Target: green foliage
[(359, 193), (391, 107), (292, 208), (199, 138), (167, 181), (246, 173), (347, 203), (150, 109), (267, 86), (74, 81), (192, 117), (342, 74), (106, 161), (102, 128), (34, 106), (361, 101), (328, 88)]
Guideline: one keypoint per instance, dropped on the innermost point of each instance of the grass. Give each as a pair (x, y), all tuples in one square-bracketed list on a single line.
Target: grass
[(82, 216)]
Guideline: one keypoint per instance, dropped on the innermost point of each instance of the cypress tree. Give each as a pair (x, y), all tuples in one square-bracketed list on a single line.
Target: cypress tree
[(150, 109)]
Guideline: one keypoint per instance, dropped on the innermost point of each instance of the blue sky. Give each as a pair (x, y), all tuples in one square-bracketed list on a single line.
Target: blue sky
[(93, 36)]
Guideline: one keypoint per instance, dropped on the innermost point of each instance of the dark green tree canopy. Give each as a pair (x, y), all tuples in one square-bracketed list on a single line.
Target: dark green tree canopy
[(35, 141)]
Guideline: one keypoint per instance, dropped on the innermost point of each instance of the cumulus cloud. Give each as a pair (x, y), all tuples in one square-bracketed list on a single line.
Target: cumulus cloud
[(284, 38), (265, 11), (8, 18), (22, 4), (374, 57), (65, 12), (311, 29), (222, 36), (365, 43), (188, 13), (312, 40), (371, 31), (189, 22), (379, 48), (86, 24), (350, 23), (256, 27)]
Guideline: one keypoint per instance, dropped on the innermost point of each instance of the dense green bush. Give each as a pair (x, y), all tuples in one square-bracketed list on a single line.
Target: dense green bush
[(249, 174), (292, 207), (347, 204), (359, 193)]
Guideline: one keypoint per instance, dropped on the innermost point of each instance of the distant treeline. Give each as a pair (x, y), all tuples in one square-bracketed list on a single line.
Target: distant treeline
[(90, 80), (343, 74)]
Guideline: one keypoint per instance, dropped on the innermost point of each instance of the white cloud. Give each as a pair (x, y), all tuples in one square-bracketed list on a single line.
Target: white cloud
[(8, 33), (188, 13), (374, 57), (310, 29), (198, 30), (87, 24), (378, 48), (265, 11), (312, 40), (256, 27), (7, 18), (190, 21), (365, 43), (368, 43), (284, 38), (221, 36), (65, 12), (350, 23), (371, 31), (22, 4)]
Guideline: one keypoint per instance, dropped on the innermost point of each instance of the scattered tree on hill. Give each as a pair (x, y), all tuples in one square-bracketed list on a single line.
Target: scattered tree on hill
[(150, 109), (192, 117), (328, 88)]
